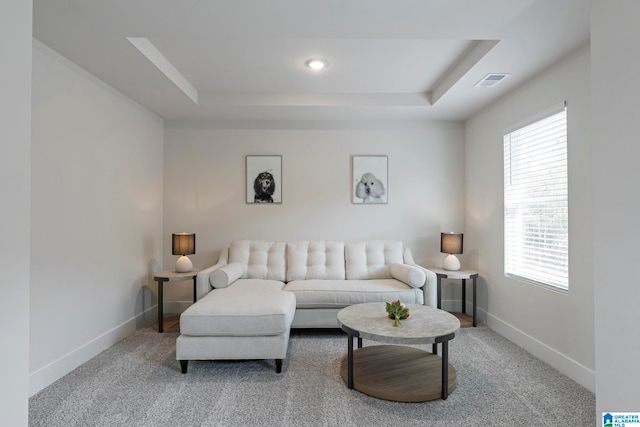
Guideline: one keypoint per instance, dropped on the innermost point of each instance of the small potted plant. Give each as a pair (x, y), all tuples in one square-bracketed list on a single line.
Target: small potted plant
[(397, 311)]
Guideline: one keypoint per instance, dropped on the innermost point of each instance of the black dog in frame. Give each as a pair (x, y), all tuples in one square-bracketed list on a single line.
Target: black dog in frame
[(264, 186)]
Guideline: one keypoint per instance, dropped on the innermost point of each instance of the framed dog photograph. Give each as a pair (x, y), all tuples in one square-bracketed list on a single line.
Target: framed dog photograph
[(370, 179), (264, 179)]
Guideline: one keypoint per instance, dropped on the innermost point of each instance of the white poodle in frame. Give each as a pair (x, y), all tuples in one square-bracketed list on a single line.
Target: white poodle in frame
[(370, 189)]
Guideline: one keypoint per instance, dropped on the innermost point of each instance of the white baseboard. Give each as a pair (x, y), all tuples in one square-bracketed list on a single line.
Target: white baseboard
[(567, 366), (55, 370)]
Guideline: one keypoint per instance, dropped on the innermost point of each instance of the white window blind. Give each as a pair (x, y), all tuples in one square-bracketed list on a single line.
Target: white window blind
[(536, 202)]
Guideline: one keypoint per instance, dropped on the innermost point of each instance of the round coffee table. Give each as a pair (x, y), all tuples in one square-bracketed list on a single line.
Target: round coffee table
[(395, 372)]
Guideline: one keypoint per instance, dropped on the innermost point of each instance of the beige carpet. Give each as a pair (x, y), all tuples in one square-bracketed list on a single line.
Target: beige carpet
[(138, 383)]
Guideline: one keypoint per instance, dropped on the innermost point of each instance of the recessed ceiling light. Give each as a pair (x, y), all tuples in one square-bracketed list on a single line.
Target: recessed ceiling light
[(317, 64)]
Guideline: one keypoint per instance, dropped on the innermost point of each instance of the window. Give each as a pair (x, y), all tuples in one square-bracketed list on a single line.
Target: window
[(536, 201)]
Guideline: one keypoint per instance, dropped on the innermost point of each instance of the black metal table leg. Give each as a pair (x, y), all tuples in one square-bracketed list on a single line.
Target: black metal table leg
[(160, 304), (439, 290), (445, 370), (474, 301), (350, 361), (464, 295), (194, 289)]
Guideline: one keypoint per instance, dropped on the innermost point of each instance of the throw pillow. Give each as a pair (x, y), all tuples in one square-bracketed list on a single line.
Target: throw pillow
[(408, 274), (224, 276)]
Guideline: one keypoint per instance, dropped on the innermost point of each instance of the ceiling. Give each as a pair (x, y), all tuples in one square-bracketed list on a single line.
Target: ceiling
[(244, 60)]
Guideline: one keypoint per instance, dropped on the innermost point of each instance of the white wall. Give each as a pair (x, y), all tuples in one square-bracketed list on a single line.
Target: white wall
[(615, 61), (96, 215), (205, 187), (555, 326), (15, 122)]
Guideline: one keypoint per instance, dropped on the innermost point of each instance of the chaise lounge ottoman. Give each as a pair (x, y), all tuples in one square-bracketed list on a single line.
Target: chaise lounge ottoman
[(250, 320)]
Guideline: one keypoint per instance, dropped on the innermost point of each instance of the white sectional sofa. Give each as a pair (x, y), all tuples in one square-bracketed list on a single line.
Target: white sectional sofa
[(258, 290)]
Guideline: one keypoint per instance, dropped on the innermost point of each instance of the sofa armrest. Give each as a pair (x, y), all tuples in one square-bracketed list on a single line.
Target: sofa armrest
[(203, 285), (430, 287)]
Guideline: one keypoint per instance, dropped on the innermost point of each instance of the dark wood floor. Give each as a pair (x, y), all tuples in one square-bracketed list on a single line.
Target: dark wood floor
[(171, 323), (466, 321)]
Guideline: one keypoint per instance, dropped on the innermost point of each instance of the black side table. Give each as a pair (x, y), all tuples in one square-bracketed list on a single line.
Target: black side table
[(172, 276), (462, 275)]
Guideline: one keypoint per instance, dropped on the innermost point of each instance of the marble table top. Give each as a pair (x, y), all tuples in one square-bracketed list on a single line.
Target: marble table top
[(455, 274), (423, 326), (173, 275)]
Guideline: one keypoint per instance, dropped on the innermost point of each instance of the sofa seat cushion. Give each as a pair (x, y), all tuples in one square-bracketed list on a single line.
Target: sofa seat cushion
[(343, 293), (248, 311)]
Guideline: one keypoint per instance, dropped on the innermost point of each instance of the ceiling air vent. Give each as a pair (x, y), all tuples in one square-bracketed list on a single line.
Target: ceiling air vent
[(490, 80)]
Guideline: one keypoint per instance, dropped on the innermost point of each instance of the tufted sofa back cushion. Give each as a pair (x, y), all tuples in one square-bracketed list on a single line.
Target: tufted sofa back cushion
[(315, 260), (263, 260), (372, 259)]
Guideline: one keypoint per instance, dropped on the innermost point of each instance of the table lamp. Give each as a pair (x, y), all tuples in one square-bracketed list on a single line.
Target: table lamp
[(451, 243), (183, 244)]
